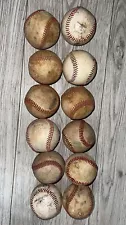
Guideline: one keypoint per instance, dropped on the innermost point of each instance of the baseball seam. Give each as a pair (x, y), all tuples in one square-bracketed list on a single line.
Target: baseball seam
[(36, 106), (45, 58), (68, 143), (48, 163), (52, 195), (92, 72), (71, 196), (70, 36), (81, 136), (50, 136), (81, 104), (75, 159), (75, 67), (47, 27)]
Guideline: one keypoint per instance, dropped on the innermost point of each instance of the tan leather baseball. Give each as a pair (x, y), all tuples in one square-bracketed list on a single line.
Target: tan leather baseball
[(78, 26), (42, 101), (78, 201), (81, 169), (41, 29), (78, 136), (79, 67), (42, 135), (48, 167), (46, 201), (77, 102), (45, 67)]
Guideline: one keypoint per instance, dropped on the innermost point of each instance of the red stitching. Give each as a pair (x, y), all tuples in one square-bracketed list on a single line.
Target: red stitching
[(68, 143), (45, 58), (50, 136), (91, 72), (52, 195), (37, 107), (81, 104), (68, 23), (47, 163), (47, 27), (77, 40), (75, 67), (79, 158), (72, 194), (82, 139)]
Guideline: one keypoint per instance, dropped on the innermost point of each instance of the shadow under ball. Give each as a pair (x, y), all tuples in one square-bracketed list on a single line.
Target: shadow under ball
[(41, 29)]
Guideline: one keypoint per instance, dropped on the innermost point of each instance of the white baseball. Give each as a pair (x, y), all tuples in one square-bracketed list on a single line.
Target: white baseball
[(79, 67), (46, 201), (42, 135), (78, 26)]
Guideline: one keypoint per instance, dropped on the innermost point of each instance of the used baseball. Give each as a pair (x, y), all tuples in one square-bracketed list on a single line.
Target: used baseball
[(46, 201), (42, 135), (45, 67), (81, 169), (77, 102), (48, 167), (78, 201), (78, 136), (79, 67), (41, 29), (42, 101), (78, 26)]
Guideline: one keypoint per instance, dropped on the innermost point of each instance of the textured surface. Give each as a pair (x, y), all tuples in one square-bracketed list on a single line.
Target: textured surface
[(108, 119)]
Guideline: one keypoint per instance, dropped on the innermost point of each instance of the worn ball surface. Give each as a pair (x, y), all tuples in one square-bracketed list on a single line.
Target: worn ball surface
[(77, 102), (78, 26), (78, 136), (81, 169), (41, 29), (46, 201), (78, 201), (42, 135), (48, 167), (42, 101), (79, 67), (45, 67)]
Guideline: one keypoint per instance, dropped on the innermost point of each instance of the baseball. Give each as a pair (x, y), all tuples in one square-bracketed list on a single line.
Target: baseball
[(46, 201), (77, 102), (78, 26), (42, 135), (78, 201), (42, 101), (45, 67), (79, 67), (81, 169), (48, 167), (78, 136), (41, 29)]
